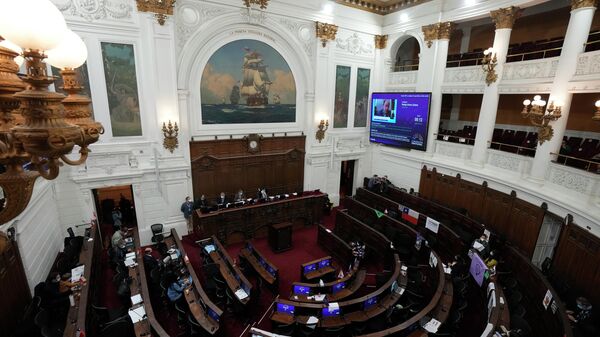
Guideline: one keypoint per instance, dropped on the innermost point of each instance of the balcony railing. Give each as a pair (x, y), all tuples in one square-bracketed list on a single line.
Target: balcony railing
[(521, 150), (583, 164), (406, 65)]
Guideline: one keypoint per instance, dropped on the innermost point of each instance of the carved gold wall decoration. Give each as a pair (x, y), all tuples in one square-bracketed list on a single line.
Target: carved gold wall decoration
[(506, 17), (262, 3), (170, 132), (379, 6), (381, 41), (160, 8), (437, 31), (576, 4), (322, 127), (488, 63), (326, 32)]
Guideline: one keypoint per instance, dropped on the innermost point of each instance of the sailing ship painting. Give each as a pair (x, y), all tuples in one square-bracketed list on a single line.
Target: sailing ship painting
[(247, 81)]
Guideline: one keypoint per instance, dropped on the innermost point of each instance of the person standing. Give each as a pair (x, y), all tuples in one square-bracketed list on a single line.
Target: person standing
[(187, 208), (117, 217)]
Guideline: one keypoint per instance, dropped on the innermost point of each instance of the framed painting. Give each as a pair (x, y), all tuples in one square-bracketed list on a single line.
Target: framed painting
[(122, 89), (342, 93), (361, 106), (247, 81)]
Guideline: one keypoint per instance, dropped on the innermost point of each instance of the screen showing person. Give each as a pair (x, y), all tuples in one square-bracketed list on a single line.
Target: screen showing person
[(370, 302), (338, 286), (285, 308), (310, 267), (301, 290), (384, 110), (331, 311), (324, 263)]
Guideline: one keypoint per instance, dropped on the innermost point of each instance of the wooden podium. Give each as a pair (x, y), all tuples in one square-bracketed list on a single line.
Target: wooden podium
[(280, 237)]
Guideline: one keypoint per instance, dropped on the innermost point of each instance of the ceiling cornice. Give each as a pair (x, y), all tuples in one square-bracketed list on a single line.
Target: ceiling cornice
[(382, 7)]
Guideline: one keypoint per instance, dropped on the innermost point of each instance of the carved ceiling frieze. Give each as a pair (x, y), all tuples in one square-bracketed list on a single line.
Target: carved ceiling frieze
[(381, 6)]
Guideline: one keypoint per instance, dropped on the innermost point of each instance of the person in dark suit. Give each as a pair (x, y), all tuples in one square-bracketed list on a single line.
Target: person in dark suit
[(222, 200), (201, 203), (149, 261)]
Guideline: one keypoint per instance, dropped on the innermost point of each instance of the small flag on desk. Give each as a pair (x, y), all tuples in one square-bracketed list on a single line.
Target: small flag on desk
[(410, 215), (379, 214)]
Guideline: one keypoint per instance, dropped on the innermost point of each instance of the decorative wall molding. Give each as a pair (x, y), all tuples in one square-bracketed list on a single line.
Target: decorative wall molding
[(470, 74), (530, 70), (253, 17), (354, 44), (304, 30), (453, 150), (403, 77), (92, 10), (588, 66), (509, 161), (573, 179), (190, 15)]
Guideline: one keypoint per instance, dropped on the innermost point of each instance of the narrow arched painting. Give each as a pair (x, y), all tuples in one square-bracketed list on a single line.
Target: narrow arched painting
[(247, 81)]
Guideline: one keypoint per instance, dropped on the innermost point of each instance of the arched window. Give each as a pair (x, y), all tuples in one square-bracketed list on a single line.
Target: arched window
[(407, 56)]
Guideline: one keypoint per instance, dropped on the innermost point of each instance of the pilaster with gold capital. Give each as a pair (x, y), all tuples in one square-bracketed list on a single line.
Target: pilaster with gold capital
[(576, 4)]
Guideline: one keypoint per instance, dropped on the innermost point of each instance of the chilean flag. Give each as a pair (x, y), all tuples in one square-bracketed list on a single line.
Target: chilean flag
[(410, 215)]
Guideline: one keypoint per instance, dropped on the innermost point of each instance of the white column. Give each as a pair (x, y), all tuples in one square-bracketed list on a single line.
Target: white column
[(575, 38), (426, 60), (439, 68), (504, 19)]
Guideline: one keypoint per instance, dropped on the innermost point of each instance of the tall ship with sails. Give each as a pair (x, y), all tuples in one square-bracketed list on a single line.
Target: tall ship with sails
[(234, 97), (256, 82)]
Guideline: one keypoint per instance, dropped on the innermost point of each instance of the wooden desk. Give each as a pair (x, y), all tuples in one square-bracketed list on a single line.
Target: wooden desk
[(355, 277), (232, 275), (198, 301), (253, 257), (280, 237), (77, 315), (350, 229), (335, 246), (319, 272), (306, 209)]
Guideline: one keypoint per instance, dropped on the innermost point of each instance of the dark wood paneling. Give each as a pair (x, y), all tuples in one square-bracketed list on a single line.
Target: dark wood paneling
[(577, 261), (228, 165), (14, 290), (427, 182), (470, 197), (496, 210)]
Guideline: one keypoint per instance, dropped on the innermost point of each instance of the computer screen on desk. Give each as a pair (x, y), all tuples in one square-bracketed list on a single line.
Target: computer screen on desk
[(338, 286), (209, 249), (271, 270), (301, 290), (331, 311), (285, 308), (371, 301), (213, 314), (309, 268), (324, 263)]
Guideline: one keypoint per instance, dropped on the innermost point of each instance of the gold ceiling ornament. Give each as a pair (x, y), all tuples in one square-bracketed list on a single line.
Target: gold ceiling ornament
[(576, 4), (170, 132), (437, 31), (322, 127), (326, 32), (541, 117), (381, 41), (506, 17), (160, 8), (262, 3), (35, 135), (489, 63), (379, 6)]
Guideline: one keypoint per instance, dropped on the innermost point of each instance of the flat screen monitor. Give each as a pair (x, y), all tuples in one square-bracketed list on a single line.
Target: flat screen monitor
[(324, 263), (478, 269), (285, 308), (271, 270), (213, 314), (309, 268), (330, 311), (301, 290), (338, 286), (249, 246), (245, 287), (209, 249), (371, 301), (400, 119)]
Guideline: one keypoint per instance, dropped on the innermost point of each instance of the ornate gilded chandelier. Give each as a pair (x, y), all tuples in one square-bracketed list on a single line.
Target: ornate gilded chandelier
[(38, 127)]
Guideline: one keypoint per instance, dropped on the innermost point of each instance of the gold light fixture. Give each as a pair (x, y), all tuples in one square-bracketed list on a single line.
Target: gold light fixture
[(322, 127), (160, 8), (326, 32), (488, 63), (34, 132), (170, 132), (596, 116), (540, 117)]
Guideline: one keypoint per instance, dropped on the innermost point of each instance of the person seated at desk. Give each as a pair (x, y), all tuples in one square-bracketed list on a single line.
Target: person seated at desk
[(64, 286), (222, 200), (175, 291), (118, 236), (262, 194), (239, 196), (149, 261), (118, 252), (482, 246), (201, 203), (374, 183), (581, 319)]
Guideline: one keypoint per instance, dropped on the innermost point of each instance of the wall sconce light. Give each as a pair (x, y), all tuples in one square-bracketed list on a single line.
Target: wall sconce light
[(170, 132), (488, 63), (323, 126), (596, 116), (534, 110)]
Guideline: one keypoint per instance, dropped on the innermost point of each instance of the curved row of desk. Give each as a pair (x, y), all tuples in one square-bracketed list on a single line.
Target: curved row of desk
[(545, 322)]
